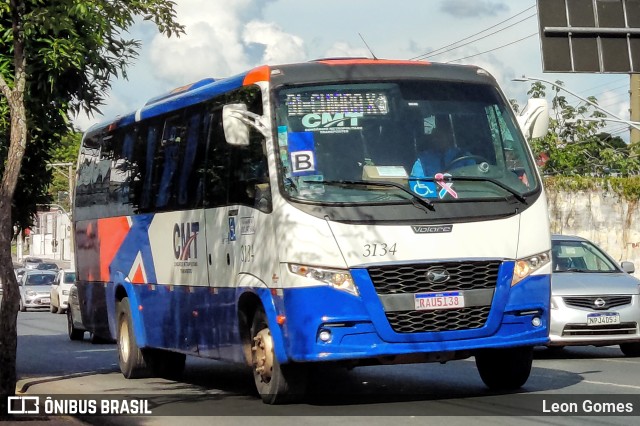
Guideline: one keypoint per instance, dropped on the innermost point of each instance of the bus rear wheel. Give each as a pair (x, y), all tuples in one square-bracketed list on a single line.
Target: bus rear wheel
[(505, 369), (276, 383), (130, 358)]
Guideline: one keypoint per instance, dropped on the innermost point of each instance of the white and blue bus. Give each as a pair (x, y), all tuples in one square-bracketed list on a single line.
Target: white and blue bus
[(275, 219)]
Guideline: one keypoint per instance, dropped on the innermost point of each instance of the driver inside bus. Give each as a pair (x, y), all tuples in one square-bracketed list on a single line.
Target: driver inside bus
[(437, 153)]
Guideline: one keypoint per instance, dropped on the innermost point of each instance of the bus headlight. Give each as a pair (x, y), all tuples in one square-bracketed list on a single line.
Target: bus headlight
[(526, 266), (337, 278)]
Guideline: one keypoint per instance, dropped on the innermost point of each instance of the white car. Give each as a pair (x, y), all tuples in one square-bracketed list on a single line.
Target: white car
[(60, 291)]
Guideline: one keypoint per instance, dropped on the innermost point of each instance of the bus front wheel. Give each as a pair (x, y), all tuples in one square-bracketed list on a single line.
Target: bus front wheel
[(130, 359), (505, 369), (276, 383)]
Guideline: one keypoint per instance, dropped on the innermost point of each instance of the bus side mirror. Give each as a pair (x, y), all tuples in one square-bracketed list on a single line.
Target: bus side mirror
[(236, 132), (534, 118)]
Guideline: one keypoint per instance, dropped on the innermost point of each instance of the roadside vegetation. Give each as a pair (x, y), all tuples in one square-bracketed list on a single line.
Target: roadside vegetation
[(576, 155), (56, 59)]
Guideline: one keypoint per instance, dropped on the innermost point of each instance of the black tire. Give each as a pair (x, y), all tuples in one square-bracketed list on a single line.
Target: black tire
[(22, 307), (52, 309), (630, 349), (130, 359), (74, 333), (505, 369), (165, 364), (276, 383)]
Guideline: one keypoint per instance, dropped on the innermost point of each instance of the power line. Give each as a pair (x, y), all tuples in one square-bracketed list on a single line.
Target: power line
[(496, 48), (604, 84), (432, 53), (613, 89), (478, 39)]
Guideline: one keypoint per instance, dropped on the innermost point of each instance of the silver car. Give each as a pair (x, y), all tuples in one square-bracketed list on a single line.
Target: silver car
[(31, 262), (594, 301), (35, 289)]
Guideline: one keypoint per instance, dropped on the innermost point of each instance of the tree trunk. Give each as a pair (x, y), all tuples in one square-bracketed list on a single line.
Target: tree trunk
[(8, 309), (10, 298)]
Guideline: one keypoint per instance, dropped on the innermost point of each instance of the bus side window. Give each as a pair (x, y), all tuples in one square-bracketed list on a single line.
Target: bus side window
[(249, 180), (216, 166), (189, 187), (149, 167), (166, 159), (136, 158), (250, 176)]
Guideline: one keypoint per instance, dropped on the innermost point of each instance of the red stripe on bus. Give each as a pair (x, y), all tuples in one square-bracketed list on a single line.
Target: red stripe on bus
[(262, 73), (138, 276), (111, 233)]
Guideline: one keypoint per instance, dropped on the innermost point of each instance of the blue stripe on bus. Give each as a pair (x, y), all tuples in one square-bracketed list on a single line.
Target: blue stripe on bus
[(203, 322), (360, 329), (192, 97), (174, 103)]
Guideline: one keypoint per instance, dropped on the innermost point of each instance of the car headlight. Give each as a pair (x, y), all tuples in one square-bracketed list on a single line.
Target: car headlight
[(526, 266), (65, 292), (30, 293), (337, 278)]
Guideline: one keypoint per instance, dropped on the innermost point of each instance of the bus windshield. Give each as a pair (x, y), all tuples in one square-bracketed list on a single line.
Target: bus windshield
[(444, 141)]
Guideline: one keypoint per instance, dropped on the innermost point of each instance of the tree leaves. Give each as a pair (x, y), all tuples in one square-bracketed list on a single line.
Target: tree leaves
[(575, 144)]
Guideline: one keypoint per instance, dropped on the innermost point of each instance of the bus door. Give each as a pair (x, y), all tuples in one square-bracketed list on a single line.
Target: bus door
[(237, 205), (234, 227)]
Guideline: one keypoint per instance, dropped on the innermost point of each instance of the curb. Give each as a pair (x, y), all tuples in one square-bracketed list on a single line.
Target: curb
[(23, 385)]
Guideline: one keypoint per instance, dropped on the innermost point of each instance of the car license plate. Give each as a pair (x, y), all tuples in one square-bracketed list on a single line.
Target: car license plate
[(444, 300), (45, 300), (603, 319)]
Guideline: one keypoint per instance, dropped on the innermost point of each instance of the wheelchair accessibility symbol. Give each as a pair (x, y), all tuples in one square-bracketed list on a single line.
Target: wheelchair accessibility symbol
[(424, 189)]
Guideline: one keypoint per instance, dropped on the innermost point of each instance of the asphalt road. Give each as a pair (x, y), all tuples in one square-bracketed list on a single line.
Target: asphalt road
[(49, 364)]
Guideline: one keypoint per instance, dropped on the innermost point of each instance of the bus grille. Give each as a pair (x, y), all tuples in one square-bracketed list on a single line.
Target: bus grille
[(589, 302), (412, 278), (439, 320)]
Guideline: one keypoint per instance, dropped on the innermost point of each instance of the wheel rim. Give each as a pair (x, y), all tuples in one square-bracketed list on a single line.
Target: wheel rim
[(263, 355), (123, 341)]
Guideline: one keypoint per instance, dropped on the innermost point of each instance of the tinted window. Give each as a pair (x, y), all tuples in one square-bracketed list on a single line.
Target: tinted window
[(40, 279)]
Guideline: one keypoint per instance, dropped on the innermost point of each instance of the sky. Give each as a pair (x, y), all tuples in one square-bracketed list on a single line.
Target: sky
[(228, 37)]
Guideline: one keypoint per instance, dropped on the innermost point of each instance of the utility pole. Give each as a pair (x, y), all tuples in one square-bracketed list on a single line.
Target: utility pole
[(69, 175), (634, 106)]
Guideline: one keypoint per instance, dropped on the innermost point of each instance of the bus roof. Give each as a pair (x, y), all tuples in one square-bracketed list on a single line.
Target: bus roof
[(319, 71)]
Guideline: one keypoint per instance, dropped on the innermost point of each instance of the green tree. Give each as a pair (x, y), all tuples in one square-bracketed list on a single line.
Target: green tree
[(575, 145), (56, 58)]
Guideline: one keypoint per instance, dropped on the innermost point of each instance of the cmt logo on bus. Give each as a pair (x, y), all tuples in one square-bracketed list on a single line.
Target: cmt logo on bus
[(324, 120), (185, 240)]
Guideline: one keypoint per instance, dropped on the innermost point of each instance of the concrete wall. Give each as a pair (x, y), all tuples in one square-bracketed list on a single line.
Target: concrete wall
[(602, 217)]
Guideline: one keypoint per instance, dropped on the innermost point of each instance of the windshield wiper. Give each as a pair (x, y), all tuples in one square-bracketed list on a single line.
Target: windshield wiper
[(415, 199), (511, 191)]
